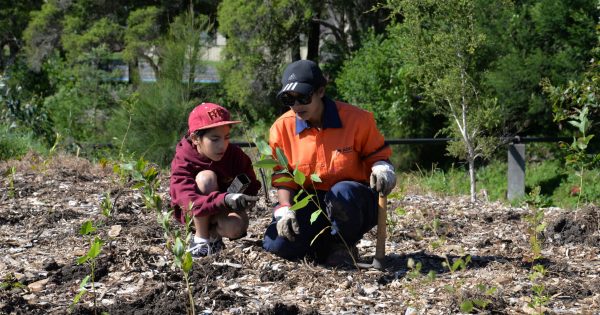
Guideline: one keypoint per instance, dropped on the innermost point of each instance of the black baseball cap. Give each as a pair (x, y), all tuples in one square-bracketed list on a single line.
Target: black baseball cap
[(301, 76)]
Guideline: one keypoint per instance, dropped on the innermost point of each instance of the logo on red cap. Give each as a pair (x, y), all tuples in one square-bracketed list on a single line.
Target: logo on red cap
[(218, 113)]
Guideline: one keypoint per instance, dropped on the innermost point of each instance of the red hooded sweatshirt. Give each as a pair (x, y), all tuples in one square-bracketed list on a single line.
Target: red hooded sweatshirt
[(187, 163)]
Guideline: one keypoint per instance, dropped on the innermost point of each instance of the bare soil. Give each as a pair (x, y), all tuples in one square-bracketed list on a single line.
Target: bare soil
[(43, 205)]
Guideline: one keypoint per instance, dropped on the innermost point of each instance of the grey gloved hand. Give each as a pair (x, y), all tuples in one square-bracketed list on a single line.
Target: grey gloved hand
[(237, 202), (287, 224), (383, 177)]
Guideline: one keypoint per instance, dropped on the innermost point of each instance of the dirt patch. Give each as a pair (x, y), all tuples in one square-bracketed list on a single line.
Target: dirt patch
[(580, 227), (39, 245)]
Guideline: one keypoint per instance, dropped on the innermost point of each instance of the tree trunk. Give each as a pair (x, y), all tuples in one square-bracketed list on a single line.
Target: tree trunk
[(296, 48), (472, 179), (314, 36)]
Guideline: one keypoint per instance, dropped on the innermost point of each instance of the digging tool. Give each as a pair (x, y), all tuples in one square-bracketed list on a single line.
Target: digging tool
[(378, 260)]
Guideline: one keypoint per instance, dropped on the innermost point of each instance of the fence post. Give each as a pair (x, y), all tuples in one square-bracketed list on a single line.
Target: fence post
[(516, 171)]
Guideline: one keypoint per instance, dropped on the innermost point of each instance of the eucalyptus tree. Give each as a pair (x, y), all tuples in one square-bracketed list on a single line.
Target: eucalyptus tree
[(440, 42)]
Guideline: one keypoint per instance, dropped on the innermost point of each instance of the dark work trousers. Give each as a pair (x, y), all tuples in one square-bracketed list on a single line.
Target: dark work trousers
[(352, 207)]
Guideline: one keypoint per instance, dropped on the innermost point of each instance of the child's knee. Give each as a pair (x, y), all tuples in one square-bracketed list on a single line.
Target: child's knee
[(207, 181), (235, 231), (234, 227)]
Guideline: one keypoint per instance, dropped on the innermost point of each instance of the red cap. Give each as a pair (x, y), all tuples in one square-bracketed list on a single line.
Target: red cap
[(209, 115)]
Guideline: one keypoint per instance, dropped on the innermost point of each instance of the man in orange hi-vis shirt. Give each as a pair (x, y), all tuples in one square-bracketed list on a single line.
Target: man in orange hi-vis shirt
[(341, 144)]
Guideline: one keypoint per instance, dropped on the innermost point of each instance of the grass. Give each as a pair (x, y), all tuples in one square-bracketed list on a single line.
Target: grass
[(558, 184)]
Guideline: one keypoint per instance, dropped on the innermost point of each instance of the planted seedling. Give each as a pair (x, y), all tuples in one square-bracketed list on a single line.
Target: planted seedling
[(478, 304), (539, 298), (177, 245), (303, 197), (535, 223), (87, 229), (105, 205), (577, 153), (11, 182), (145, 176)]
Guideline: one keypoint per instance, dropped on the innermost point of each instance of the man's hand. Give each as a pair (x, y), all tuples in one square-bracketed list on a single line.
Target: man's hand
[(238, 202), (287, 224), (383, 177)]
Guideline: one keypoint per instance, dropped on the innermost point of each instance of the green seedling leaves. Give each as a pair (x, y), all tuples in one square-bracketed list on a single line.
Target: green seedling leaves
[(315, 178), (302, 203), (106, 205), (150, 174), (82, 289), (164, 219), (178, 249), (187, 262), (86, 228), (297, 196), (400, 211), (283, 180), (315, 215), (283, 161), (93, 252), (466, 306), (299, 177), (264, 148), (266, 164)]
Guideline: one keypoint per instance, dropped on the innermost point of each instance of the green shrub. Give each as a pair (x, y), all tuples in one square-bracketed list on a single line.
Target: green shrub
[(14, 144)]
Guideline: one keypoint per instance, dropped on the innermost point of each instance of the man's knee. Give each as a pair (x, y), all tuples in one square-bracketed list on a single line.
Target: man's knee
[(280, 246), (353, 207)]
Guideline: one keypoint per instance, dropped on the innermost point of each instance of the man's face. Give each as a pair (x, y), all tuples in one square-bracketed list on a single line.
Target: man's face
[(307, 107)]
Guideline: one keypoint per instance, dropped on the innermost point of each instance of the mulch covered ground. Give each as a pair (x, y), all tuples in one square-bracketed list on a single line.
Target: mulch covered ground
[(44, 203)]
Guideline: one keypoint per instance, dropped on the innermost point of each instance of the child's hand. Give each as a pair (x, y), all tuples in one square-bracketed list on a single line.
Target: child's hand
[(237, 202)]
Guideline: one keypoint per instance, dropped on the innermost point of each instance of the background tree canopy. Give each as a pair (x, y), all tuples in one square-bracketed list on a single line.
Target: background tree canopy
[(62, 65)]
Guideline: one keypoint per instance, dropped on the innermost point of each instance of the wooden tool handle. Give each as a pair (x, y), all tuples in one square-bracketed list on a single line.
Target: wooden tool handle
[(381, 228)]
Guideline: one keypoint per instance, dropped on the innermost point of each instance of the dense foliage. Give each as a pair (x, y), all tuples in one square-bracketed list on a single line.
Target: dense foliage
[(62, 66)]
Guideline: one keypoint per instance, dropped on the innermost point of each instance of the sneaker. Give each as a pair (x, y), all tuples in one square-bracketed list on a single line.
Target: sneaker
[(203, 249), (217, 246), (340, 255)]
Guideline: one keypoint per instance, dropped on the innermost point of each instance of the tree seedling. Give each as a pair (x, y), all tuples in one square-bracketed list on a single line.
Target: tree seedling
[(479, 304), (11, 182), (540, 298), (536, 225), (302, 198), (577, 155), (145, 176), (177, 245), (106, 206), (87, 228)]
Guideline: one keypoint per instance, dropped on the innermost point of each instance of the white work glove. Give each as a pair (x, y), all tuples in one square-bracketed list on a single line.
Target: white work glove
[(287, 224), (238, 202), (383, 177)]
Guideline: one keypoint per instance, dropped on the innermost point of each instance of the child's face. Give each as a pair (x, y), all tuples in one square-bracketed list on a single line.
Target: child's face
[(213, 143)]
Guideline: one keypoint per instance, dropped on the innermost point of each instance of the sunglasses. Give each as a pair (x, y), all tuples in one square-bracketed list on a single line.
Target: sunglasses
[(290, 100)]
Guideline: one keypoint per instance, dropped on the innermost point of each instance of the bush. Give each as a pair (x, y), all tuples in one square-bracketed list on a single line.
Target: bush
[(14, 144)]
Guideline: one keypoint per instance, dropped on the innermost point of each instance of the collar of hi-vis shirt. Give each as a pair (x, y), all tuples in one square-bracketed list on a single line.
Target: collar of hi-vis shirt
[(331, 117)]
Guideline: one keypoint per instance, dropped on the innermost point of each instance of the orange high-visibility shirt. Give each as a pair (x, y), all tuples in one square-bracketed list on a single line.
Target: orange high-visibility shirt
[(344, 149)]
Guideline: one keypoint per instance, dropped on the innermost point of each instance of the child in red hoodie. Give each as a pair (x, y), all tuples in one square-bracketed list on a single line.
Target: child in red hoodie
[(203, 168)]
